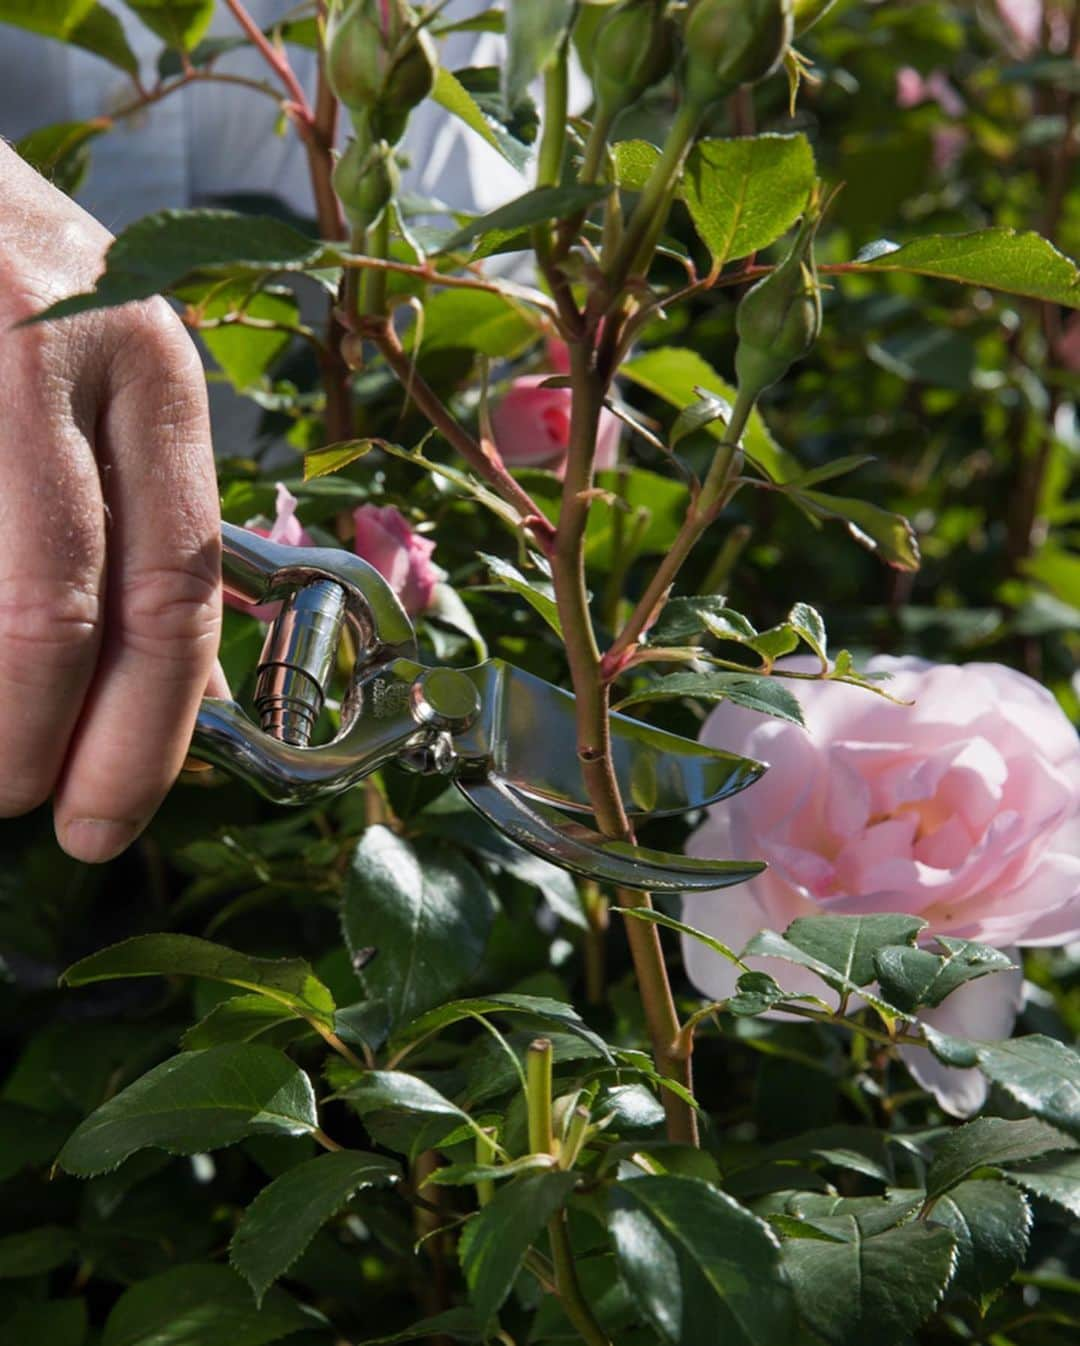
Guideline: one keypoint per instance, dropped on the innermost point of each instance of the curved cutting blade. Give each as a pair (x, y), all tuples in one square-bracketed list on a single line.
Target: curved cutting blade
[(529, 734), (547, 833)]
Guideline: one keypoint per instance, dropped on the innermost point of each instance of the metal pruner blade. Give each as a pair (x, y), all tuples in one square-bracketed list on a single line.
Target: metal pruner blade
[(506, 738)]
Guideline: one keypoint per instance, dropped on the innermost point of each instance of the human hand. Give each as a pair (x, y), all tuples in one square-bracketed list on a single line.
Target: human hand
[(109, 534)]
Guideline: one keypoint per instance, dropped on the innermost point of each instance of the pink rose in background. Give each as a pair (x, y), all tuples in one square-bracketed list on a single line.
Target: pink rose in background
[(912, 89), (532, 427), (403, 558), (963, 809), (383, 538), (286, 529)]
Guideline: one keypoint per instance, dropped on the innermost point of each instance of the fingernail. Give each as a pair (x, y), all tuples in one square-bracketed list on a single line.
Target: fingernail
[(94, 840)]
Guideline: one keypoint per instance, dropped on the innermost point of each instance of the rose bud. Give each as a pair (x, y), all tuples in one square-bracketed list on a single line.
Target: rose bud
[(733, 42)]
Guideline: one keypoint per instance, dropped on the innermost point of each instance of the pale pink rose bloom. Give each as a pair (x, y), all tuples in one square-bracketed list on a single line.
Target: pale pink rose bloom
[(532, 427), (1024, 22), (963, 809), (403, 558), (912, 89), (1023, 18), (286, 529)]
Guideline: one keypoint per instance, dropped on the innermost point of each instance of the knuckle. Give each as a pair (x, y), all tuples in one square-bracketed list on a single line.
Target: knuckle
[(47, 622), (173, 612), (151, 345)]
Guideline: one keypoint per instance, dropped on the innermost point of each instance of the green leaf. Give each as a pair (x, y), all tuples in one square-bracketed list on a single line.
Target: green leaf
[(35, 1251), (512, 578), (241, 1018), (742, 194), (1055, 1179), (707, 409), (450, 93), (889, 536), (536, 207), (654, 917), (755, 993), (396, 1091), (700, 1266), (1018, 262), (989, 1142), (870, 1289), (675, 374), (202, 1305), (534, 33), (848, 943), (1039, 1072), (286, 1215), (61, 152), (246, 353), (546, 1010), (808, 625), (991, 1223), (334, 457), (425, 910), (80, 23), (163, 251), (197, 1101), (465, 1175), (766, 695), (911, 978), (289, 981), (461, 1324), (768, 944), (494, 1242), (683, 619), (179, 23), (475, 320)]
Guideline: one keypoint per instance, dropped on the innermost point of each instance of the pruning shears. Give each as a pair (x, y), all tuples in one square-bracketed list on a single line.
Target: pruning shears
[(504, 737)]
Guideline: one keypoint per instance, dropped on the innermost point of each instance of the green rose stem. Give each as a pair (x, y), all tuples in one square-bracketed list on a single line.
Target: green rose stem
[(538, 1067), (590, 376), (652, 207)]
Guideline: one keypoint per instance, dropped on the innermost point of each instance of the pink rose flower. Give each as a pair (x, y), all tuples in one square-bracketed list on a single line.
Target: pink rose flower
[(912, 89), (403, 558), (963, 809), (286, 529), (532, 427)]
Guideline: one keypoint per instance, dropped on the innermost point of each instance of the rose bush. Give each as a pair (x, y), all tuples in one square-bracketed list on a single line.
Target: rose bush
[(962, 808)]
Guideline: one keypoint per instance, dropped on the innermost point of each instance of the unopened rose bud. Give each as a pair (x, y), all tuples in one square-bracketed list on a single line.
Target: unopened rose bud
[(779, 320), (634, 47), (366, 180), (733, 42), (379, 62)]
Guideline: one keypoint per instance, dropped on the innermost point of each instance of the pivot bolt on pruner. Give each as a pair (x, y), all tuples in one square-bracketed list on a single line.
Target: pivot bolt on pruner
[(504, 737)]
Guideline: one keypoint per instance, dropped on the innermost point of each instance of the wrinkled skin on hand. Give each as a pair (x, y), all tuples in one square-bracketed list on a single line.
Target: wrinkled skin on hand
[(109, 534)]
